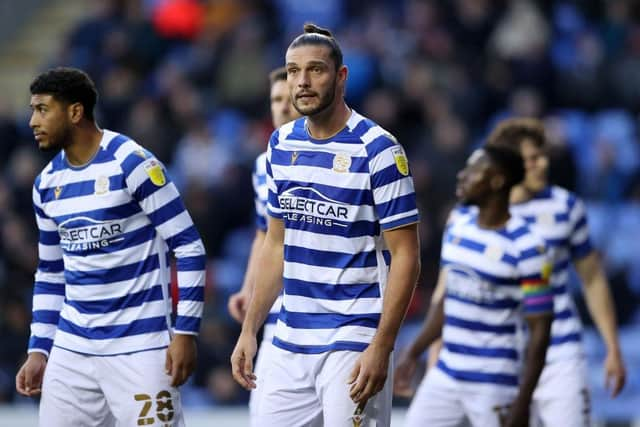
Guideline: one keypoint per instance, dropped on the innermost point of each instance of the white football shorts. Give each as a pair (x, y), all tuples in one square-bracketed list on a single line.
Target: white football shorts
[(104, 391)]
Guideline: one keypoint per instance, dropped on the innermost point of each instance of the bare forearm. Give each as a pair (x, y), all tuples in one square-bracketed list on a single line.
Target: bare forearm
[(402, 279), (535, 358), (252, 264), (602, 311), (599, 300), (268, 286), (431, 329)]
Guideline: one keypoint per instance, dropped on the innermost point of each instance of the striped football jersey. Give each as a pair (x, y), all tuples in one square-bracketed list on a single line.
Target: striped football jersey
[(336, 196), (261, 192), (494, 279), (106, 231)]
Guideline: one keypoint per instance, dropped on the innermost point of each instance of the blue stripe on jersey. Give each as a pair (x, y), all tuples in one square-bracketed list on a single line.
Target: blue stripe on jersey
[(46, 316), (272, 318), (317, 159), (186, 236), (386, 176), (136, 327), (320, 258), (113, 212), (187, 323), (113, 304), (193, 293), (355, 229), (295, 319), (317, 349), (401, 222), (115, 143), (166, 212), (562, 339), (564, 314), (404, 203), (499, 304), (332, 292), (514, 234), (79, 189), (378, 145), (581, 250), (49, 237), (479, 377), (479, 326), (145, 189), (46, 288), (504, 353), (40, 343), (110, 275), (531, 253), (132, 161), (192, 263), (51, 266), (503, 281)]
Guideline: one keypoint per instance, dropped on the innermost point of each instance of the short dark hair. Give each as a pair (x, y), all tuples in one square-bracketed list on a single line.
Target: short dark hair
[(508, 161), (69, 85), (315, 35), (277, 75), (515, 130)]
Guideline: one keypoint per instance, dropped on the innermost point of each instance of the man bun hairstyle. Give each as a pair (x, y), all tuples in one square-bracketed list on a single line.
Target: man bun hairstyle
[(508, 161), (315, 35), (68, 85)]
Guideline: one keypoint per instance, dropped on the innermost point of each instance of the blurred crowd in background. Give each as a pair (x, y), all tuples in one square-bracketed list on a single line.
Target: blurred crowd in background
[(188, 80)]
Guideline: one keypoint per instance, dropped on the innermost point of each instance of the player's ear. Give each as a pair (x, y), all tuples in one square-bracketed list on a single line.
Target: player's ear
[(497, 182), (76, 112)]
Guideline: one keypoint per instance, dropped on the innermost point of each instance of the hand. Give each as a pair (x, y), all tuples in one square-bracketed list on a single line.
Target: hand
[(614, 371), (369, 374), (517, 415), (29, 377), (238, 305), (242, 360), (181, 358), (403, 375)]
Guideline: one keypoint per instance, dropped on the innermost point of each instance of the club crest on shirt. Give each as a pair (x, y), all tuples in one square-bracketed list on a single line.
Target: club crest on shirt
[(101, 185), (57, 191), (401, 160), (341, 162), (493, 252), (154, 170), (545, 218), (294, 157)]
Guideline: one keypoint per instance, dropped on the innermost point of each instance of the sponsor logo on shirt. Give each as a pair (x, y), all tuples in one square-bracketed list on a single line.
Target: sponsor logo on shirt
[(308, 205), (83, 233), (466, 283)]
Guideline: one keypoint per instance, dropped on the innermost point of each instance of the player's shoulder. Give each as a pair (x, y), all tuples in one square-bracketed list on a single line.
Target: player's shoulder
[(260, 164), (523, 236), (371, 134), (567, 198), (293, 130), (460, 214), (119, 145)]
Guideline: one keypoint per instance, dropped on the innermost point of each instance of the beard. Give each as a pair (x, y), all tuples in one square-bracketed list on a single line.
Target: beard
[(58, 140), (325, 101)]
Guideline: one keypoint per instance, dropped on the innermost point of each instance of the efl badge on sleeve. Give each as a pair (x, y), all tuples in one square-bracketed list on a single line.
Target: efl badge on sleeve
[(154, 170), (401, 160), (547, 269), (341, 162)]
